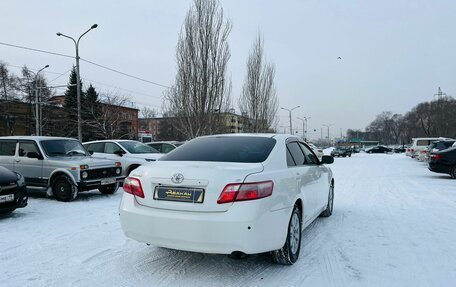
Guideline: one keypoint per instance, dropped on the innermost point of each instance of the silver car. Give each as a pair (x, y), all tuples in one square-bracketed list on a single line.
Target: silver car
[(60, 166)]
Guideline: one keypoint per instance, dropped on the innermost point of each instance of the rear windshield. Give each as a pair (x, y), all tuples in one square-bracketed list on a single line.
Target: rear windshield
[(224, 149), (423, 142)]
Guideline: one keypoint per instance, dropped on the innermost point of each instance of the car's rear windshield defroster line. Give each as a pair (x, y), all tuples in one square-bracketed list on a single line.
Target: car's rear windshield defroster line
[(246, 149)]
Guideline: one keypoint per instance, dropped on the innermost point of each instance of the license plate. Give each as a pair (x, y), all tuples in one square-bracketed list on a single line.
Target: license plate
[(108, 181), (6, 198), (181, 194)]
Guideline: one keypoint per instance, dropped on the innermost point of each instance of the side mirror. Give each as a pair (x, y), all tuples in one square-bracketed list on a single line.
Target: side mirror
[(119, 152), (34, 155), (91, 152), (327, 159)]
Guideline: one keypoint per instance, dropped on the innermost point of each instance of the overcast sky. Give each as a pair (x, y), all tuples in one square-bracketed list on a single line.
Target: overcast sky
[(394, 53)]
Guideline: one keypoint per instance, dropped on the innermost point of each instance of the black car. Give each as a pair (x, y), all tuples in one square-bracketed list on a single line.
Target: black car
[(444, 162), (12, 191), (379, 149), (341, 152)]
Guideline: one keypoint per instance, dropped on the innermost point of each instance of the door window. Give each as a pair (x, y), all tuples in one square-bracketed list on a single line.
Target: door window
[(296, 153), (310, 157), (157, 147), (166, 148), (27, 147), (290, 160), (96, 147), (112, 148), (7, 148)]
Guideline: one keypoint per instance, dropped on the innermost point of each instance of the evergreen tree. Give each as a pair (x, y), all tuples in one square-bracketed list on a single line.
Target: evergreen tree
[(71, 105), (91, 111)]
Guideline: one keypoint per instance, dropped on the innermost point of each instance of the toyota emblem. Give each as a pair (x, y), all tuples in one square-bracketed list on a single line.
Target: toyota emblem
[(177, 178)]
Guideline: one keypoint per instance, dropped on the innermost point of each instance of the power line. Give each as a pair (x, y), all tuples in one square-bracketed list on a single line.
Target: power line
[(36, 50), (123, 89), (59, 76), (122, 73), (87, 61)]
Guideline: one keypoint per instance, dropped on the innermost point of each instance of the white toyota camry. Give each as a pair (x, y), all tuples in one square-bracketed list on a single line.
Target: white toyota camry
[(229, 194)]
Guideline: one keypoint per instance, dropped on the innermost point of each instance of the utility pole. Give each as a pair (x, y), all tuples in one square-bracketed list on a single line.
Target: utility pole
[(289, 111), (328, 126), (304, 127), (37, 110), (440, 94)]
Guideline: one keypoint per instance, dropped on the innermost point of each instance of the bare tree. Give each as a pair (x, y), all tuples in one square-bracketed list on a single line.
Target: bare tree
[(109, 118), (201, 90), (147, 113), (258, 101)]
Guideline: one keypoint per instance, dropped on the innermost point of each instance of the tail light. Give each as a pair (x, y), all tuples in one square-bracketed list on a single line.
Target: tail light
[(245, 191), (133, 186), (436, 156), (424, 151)]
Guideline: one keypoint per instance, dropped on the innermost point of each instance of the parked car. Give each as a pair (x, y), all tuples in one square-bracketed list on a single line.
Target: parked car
[(318, 152), (438, 146), (399, 149), (444, 161), (338, 151), (165, 146), (420, 144), (229, 194), (378, 149), (131, 154), (60, 166), (13, 193)]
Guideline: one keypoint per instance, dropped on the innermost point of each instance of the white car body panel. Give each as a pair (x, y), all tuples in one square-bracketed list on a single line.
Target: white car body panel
[(251, 226), (128, 160)]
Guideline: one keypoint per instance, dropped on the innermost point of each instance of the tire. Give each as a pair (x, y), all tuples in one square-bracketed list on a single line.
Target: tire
[(289, 253), (109, 189), (329, 207), (64, 189), (453, 172)]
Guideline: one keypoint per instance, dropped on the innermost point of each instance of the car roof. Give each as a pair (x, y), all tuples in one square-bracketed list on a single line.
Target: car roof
[(265, 135), (168, 142), (37, 138), (103, 141)]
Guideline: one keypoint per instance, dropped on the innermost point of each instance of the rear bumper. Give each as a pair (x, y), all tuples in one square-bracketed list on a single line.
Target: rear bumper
[(242, 228), (20, 200), (439, 168)]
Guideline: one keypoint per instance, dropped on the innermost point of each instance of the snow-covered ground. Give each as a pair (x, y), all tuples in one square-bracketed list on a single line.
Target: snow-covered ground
[(394, 225)]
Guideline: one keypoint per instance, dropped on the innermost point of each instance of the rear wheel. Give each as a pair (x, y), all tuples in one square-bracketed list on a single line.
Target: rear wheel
[(109, 189), (453, 172), (329, 207), (64, 189), (289, 253)]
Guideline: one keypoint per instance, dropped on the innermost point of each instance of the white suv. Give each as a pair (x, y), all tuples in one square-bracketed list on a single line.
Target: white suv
[(419, 145), (130, 153)]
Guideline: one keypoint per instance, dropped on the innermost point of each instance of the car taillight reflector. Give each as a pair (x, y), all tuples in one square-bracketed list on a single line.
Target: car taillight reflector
[(133, 186), (246, 191), (436, 156)]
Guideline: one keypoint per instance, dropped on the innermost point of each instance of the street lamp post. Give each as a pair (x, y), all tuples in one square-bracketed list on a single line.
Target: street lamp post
[(328, 126), (37, 117), (289, 111), (304, 128), (78, 77)]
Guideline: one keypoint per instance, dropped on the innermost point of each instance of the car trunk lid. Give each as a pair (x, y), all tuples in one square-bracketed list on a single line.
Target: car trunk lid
[(175, 176)]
